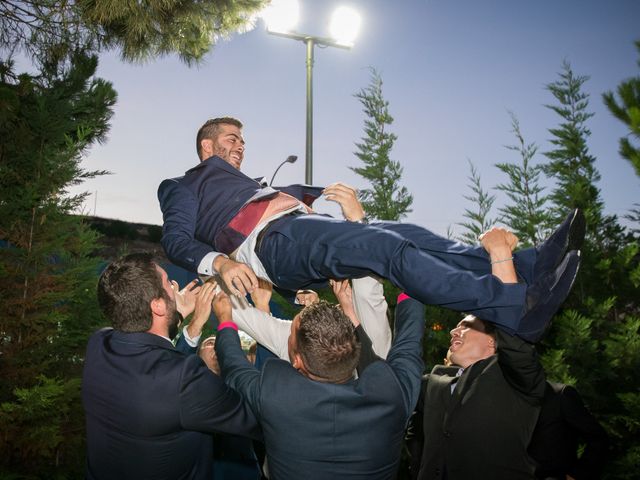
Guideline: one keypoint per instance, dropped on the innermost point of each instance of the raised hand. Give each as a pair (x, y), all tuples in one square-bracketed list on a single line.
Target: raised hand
[(222, 307), (186, 298), (261, 295), (344, 294), (306, 297), (347, 198), (202, 309), (238, 277)]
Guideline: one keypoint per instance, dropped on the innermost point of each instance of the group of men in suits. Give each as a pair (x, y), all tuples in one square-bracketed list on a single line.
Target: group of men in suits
[(145, 399)]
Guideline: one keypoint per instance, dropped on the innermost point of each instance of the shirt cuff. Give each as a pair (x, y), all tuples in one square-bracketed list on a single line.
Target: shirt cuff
[(192, 342), (206, 264)]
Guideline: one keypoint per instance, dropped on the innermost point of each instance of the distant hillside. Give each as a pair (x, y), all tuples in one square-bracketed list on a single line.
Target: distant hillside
[(119, 237)]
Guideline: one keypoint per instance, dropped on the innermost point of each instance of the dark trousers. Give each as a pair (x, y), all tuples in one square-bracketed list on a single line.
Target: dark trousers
[(299, 250)]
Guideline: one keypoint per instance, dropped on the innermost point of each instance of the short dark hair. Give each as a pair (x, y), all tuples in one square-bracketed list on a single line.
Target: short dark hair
[(211, 128), (488, 328), (125, 290), (327, 342)]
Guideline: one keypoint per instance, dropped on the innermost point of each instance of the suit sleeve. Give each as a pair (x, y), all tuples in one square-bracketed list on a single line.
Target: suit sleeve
[(207, 404), (179, 212), (405, 356), (589, 431), (521, 366), (268, 331), (367, 355), (414, 438), (184, 347), (236, 370), (371, 309)]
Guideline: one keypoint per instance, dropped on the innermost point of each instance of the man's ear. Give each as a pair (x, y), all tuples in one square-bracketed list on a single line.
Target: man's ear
[(206, 148), (298, 363), (158, 307), (492, 344)]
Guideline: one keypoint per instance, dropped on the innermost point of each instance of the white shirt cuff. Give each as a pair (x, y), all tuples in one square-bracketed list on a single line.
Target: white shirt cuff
[(206, 264), (192, 342)]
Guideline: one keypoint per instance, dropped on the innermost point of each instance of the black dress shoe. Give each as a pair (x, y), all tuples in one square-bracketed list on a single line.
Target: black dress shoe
[(568, 236), (545, 297)]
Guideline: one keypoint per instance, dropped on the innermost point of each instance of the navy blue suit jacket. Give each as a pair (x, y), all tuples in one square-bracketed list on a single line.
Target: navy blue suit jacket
[(150, 409), (316, 430), (198, 206)]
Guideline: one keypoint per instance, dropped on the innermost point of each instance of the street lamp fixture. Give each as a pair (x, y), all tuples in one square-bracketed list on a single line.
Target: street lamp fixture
[(281, 17), (289, 159)]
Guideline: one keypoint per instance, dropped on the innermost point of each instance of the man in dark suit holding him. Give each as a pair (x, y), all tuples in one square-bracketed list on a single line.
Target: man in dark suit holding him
[(150, 408), (476, 417), (318, 421), (219, 221)]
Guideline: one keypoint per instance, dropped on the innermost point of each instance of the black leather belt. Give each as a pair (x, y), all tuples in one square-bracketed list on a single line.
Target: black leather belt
[(259, 238)]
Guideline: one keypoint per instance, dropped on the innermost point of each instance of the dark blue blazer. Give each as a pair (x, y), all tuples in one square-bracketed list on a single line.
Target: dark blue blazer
[(316, 430), (198, 206), (150, 409)]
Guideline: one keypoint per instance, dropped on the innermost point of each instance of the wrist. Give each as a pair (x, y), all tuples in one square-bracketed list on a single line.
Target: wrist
[(264, 307), (227, 324), (218, 262), (193, 329)]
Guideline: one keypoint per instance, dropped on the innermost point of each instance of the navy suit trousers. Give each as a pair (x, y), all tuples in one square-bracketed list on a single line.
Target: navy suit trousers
[(298, 250)]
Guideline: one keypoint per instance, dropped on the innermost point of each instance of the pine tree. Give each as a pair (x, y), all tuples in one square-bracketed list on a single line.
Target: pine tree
[(525, 215), (48, 274), (571, 165), (628, 112), (141, 30), (386, 199), (482, 200), (593, 342)]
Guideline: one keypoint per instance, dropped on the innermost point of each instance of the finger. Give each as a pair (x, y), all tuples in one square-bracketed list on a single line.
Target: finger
[(249, 277), (174, 285), (192, 285), (238, 286)]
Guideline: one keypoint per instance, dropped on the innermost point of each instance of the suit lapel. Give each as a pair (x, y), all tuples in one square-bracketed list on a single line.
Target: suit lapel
[(465, 382)]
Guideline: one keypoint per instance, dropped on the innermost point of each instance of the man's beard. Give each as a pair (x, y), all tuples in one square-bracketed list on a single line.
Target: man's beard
[(174, 327)]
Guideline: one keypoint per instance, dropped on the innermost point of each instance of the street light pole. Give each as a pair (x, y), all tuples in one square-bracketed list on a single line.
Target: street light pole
[(281, 16), (308, 162), (310, 42)]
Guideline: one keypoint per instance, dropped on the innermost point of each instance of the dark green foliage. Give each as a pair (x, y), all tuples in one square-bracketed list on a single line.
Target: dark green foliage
[(141, 30), (478, 219), (571, 165), (594, 342), (386, 199), (627, 110), (525, 214), (48, 274)]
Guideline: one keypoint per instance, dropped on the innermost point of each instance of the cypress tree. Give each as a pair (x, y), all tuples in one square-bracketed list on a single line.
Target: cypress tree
[(386, 199)]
